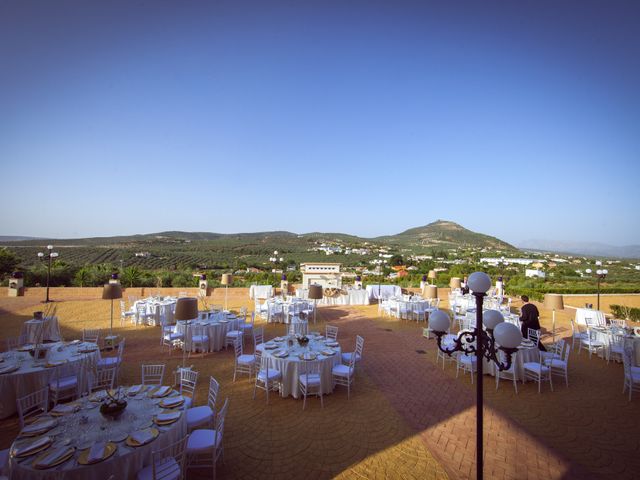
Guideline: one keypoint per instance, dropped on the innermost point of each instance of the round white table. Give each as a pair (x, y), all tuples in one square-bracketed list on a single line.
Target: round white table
[(81, 429), (290, 366), (216, 329), (47, 328), (278, 310), (31, 375)]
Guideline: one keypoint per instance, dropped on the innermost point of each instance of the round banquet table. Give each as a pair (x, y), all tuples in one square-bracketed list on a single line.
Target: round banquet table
[(216, 329), (166, 308), (290, 366), (278, 310), (33, 375), (86, 426), (50, 331), (525, 354)]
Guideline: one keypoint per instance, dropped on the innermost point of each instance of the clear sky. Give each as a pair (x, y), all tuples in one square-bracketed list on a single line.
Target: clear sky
[(516, 119)]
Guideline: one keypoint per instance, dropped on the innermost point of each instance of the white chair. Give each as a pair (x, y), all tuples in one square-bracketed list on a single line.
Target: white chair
[(153, 316), (614, 322), (15, 342), (631, 374), (167, 463), (538, 372), (91, 335), (199, 339), (345, 374), (141, 314), (534, 336), (205, 446), (126, 314), (32, 405), (258, 337), (64, 385), (310, 381), (243, 363), (615, 347), (204, 415), (331, 333), (509, 373), (554, 350), (152, 375), (171, 339), (346, 356), (267, 378), (419, 311), (188, 382), (115, 361), (466, 363), (233, 335), (591, 343), (247, 328), (447, 342), (102, 379), (560, 365), (576, 334)]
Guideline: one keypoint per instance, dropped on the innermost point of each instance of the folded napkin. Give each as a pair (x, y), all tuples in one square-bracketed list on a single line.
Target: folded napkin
[(39, 426), (65, 408), (97, 452), (8, 368), (142, 436), (30, 447), (134, 390), (54, 455), (162, 391), (166, 417), (172, 401)]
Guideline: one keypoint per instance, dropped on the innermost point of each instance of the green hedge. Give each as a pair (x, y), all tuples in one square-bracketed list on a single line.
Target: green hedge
[(627, 313)]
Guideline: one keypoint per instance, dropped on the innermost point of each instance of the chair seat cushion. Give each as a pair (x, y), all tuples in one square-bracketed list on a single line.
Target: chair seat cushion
[(341, 371), (198, 415), (346, 357), (311, 379), (467, 359), (535, 367), (273, 375), (166, 468), (203, 440), (173, 337), (247, 359), (64, 383), (592, 343), (557, 363)]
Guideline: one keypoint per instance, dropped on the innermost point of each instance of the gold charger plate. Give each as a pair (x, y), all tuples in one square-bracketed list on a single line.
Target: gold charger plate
[(55, 364), (28, 453), (309, 358), (40, 466), (109, 449), (166, 422), (132, 443)]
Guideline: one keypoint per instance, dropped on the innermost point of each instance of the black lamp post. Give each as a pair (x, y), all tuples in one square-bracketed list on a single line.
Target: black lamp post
[(50, 255), (484, 342), (601, 274), (276, 260)]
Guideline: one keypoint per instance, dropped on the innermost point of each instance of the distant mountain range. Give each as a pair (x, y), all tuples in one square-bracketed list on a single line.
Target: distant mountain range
[(438, 234), (582, 248)]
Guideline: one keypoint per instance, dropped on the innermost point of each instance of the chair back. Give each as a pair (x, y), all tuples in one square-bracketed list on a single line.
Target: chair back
[(212, 396), (534, 335), (91, 335), (102, 379), (359, 346), (188, 382), (331, 332), (258, 337), (220, 419), (237, 347), (567, 351), (152, 374), (15, 342), (121, 349), (618, 323), (162, 467), (32, 405)]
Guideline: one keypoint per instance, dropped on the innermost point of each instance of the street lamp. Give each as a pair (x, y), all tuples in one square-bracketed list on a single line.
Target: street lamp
[(49, 255), (276, 260), (601, 274), (484, 342)]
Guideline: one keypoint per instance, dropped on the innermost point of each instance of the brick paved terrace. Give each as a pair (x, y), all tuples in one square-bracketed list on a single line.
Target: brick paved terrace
[(406, 418)]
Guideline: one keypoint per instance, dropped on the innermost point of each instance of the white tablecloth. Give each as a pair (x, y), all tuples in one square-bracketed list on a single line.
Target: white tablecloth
[(126, 461), (524, 355), (278, 310), (353, 297), (215, 328), (399, 307), (595, 315), (166, 308), (49, 326), (260, 291), (34, 375), (383, 291), (291, 369)]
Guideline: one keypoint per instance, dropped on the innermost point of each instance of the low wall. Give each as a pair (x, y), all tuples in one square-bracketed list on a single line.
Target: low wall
[(90, 293)]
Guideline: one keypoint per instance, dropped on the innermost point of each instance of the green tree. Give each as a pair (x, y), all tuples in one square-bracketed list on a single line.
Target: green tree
[(83, 276), (396, 260), (8, 262), (131, 276)]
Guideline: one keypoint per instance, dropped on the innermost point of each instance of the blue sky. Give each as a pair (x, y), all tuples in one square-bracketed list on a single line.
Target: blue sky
[(515, 119)]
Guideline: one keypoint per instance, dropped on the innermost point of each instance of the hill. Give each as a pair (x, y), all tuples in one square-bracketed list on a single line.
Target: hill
[(443, 233)]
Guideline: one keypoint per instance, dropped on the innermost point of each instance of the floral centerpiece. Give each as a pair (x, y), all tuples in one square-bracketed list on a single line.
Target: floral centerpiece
[(303, 340), (114, 404)]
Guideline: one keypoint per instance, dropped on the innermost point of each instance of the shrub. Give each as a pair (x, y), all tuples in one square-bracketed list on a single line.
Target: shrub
[(627, 313)]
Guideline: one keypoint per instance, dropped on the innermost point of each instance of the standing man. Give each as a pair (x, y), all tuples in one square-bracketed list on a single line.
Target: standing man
[(529, 318)]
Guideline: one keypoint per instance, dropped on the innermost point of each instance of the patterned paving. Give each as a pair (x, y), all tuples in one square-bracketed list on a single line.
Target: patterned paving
[(407, 418)]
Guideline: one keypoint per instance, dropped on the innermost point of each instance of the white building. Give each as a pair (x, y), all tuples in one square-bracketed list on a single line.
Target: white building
[(326, 274), (534, 273)]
